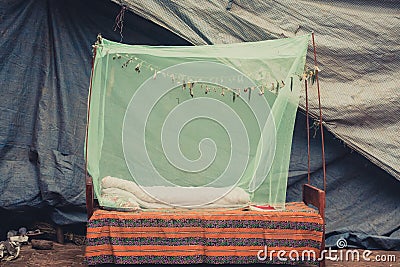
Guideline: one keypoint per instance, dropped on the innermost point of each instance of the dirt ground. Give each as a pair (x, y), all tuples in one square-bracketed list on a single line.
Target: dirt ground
[(70, 254), (61, 255)]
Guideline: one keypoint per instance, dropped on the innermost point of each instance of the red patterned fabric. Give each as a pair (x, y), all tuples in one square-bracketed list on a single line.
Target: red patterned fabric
[(212, 236)]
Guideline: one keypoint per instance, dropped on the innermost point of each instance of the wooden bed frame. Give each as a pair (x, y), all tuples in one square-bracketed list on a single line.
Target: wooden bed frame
[(316, 197), (311, 196)]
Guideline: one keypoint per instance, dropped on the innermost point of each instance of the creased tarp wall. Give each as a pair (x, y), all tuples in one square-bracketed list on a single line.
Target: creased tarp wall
[(362, 200), (45, 61), (358, 48)]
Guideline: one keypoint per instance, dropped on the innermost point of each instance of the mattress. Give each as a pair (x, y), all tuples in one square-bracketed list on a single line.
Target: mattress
[(205, 236)]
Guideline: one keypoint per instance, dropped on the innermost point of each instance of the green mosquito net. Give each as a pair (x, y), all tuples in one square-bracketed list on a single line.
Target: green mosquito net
[(193, 127)]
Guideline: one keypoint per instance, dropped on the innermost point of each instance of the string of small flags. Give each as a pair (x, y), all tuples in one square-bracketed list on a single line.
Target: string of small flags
[(236, 92), (309, 75), (186, 82), (141, 64)]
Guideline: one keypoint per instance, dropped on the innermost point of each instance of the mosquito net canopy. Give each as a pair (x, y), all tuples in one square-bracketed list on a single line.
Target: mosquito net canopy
[(193, 127)]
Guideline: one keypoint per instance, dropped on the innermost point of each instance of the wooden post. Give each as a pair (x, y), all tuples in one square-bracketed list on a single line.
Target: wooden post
[(88, 179), (59, 234)]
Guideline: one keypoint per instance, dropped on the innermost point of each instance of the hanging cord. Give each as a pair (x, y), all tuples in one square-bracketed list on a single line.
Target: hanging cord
[(320, 111), (119, 22), (308, 135)]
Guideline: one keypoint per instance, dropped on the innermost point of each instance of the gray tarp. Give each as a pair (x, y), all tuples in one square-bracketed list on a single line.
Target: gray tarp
[(358, 50), (45, 61)]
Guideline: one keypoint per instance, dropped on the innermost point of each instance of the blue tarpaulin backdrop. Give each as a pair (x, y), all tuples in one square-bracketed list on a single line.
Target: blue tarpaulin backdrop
[(45, 62)]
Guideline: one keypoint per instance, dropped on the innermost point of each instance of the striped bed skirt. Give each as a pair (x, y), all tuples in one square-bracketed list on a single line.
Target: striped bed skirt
[(292, 236)]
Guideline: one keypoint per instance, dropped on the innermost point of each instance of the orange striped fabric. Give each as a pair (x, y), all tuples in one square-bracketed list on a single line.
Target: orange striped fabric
[(212, 236)]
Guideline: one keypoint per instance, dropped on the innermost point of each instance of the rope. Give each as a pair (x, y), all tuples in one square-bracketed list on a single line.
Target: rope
[(320, 111), (119, 22), (308, 135)]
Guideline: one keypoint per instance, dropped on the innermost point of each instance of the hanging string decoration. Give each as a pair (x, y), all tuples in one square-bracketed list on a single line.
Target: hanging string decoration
[(291, 84), (191, 89), (249, 89), (185, 81), (119, 22), (309, 75)]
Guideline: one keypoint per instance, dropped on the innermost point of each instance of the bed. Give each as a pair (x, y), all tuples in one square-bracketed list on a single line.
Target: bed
[(120, 93), (208, 236)]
